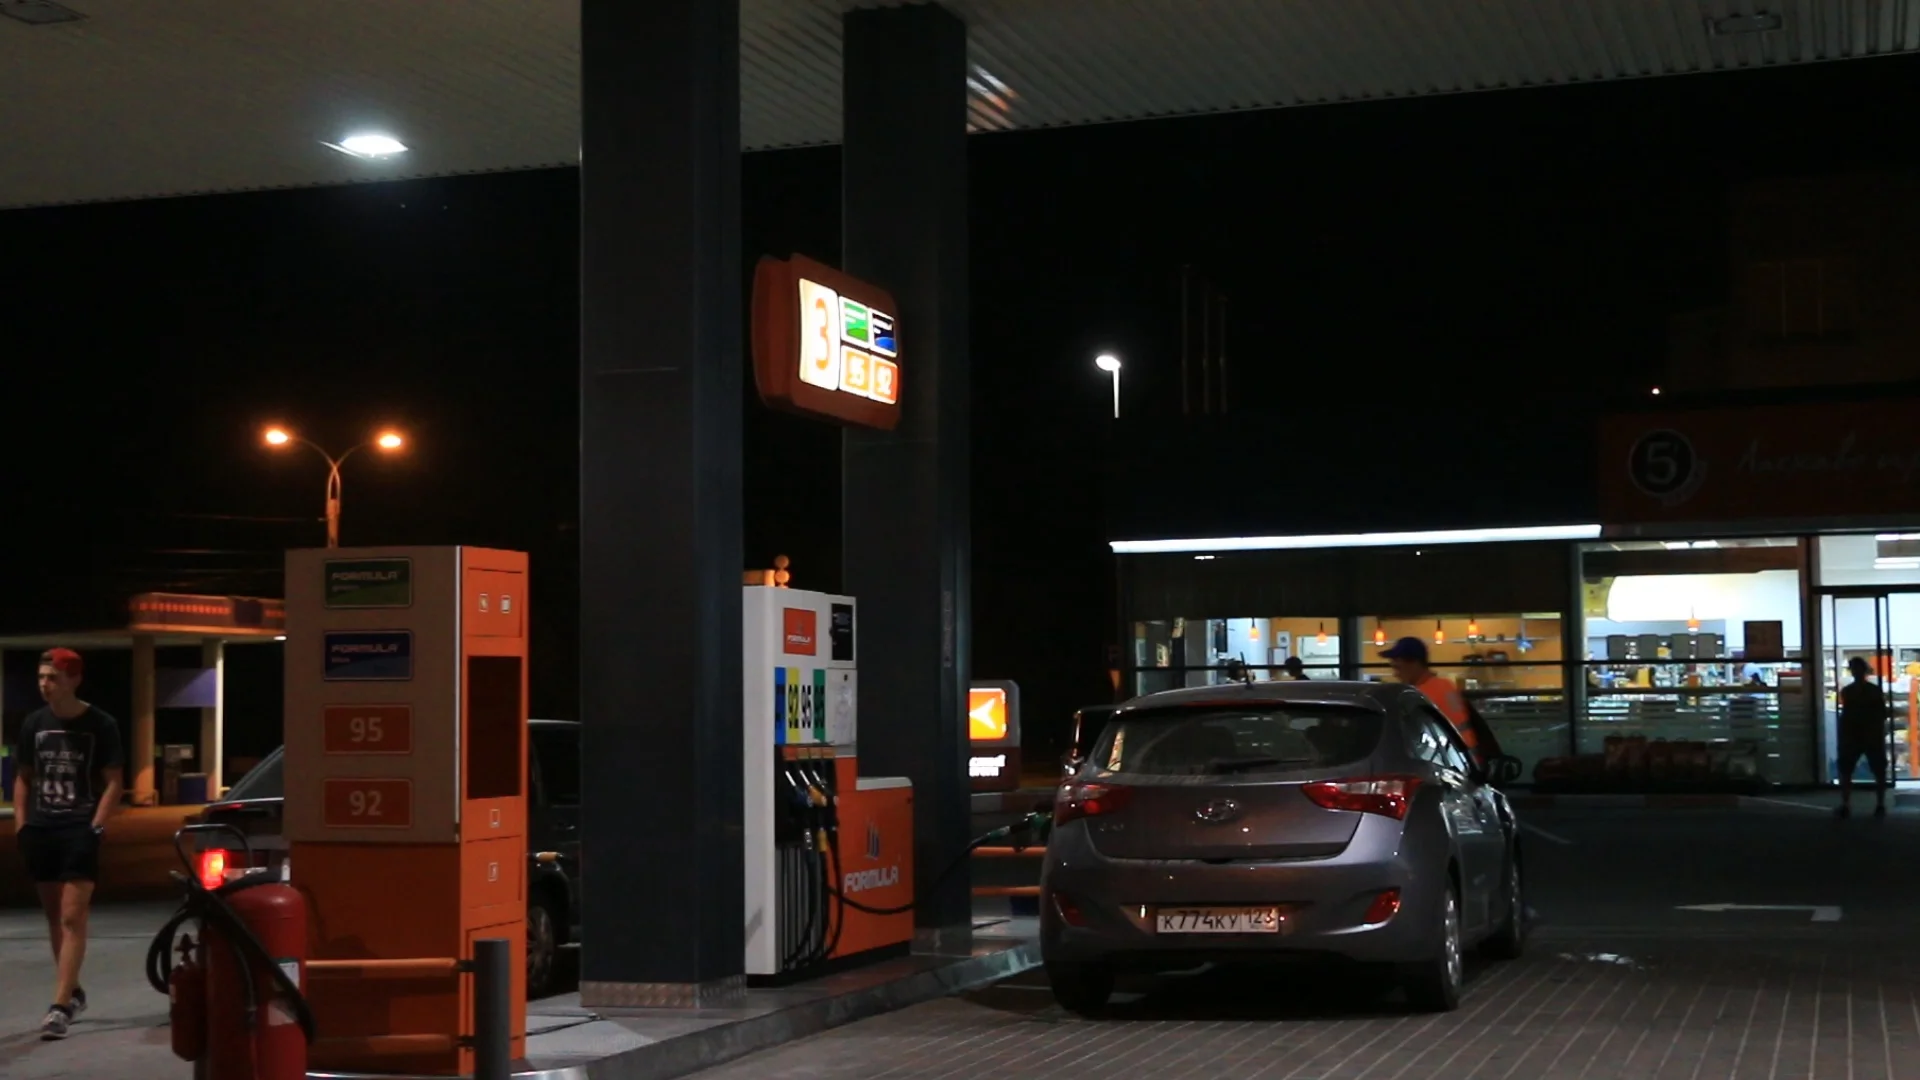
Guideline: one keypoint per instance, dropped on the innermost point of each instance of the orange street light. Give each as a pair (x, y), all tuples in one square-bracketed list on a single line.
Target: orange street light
[(388, 441)]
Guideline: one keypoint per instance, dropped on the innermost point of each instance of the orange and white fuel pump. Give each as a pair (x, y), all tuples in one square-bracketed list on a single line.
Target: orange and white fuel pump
[(829, 852)]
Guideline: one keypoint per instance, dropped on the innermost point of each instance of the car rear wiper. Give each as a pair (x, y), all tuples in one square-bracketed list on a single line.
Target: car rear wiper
[(1233, 765)]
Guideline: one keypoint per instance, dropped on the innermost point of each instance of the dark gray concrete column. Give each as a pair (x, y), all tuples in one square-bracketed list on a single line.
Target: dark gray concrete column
[(906, 520), (660, 494)]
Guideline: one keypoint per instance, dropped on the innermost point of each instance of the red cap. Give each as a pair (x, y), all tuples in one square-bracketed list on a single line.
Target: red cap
[(66, 661)]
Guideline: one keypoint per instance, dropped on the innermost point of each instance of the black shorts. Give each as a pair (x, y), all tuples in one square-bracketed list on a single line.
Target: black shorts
[(1852, 750), (67, 853)]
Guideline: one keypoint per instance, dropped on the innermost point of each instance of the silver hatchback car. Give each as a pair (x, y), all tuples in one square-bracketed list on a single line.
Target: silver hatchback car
[(1280, 821)]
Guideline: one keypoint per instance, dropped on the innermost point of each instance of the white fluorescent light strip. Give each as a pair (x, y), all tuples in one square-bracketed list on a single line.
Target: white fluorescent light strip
[(1349, 540)]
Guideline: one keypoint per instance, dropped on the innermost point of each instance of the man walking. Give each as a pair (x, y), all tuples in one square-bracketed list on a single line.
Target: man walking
[(67, 786), (1863, 733)]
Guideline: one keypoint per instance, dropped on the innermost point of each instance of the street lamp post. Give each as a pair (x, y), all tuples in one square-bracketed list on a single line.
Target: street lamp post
[(387, 441), (1110, 364)]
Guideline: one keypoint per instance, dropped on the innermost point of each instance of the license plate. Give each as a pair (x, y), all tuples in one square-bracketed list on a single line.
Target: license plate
[(1213, 920)]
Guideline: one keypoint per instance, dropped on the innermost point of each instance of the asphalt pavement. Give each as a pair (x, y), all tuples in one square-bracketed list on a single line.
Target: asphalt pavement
[(1768, 941)]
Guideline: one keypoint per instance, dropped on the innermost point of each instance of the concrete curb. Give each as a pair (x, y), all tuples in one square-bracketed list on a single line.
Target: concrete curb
[(691, 1053)]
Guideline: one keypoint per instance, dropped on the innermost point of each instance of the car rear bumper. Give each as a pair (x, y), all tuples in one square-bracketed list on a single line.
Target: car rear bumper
[(1325, 903)]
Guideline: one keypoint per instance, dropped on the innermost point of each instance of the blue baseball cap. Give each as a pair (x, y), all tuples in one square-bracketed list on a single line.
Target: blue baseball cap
[(1407, 648)]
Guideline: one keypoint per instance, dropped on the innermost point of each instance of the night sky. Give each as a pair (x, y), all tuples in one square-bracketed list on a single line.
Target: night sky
[(1397, 273)]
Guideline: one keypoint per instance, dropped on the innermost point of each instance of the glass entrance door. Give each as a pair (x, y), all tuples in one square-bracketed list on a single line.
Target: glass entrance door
[(1882, 627)]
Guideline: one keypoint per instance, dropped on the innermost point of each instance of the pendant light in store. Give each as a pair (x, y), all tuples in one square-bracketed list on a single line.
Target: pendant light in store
[(1693, 623), (1379, 633), (1439, 633), (1473, 628), (1321, 637)]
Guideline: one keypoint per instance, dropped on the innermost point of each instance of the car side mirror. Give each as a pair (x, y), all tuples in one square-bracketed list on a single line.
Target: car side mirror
[(1503, 769)]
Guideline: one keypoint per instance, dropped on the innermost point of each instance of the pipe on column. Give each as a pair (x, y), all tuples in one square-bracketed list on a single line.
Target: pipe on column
[(144, 700)]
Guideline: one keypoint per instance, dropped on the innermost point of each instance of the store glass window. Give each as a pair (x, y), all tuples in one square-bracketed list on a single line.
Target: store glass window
[(1693, 666), (1173, 653), (1511, 665), (1869, 606)]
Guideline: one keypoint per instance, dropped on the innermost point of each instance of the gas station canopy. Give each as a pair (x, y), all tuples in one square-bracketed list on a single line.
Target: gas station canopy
[(130, 99)]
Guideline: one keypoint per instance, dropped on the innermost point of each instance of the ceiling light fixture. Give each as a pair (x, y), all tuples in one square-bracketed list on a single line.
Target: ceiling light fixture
[(1760, 22), (38, 12), (368, 146), (1350, 540)]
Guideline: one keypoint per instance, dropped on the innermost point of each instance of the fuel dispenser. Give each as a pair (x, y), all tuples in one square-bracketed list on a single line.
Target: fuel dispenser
[(406, 810), (829, 852)]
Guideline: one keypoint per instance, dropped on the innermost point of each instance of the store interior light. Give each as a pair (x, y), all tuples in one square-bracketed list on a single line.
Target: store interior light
[(1379, 633), (1473, 628), (1351, 540), (1439, 633), (1321, 637)]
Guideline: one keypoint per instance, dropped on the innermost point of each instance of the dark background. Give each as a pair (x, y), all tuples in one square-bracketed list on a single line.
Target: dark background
[(1430, 300)]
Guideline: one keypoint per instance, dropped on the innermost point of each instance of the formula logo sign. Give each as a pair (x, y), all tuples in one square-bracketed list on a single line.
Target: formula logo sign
[(825, 344), (799, 629)]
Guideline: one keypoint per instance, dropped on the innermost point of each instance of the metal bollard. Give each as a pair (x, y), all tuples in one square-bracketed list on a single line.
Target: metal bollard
[(492, 1012)]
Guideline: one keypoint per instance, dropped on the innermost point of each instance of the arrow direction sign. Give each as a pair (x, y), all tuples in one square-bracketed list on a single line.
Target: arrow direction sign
[(1821, 912)]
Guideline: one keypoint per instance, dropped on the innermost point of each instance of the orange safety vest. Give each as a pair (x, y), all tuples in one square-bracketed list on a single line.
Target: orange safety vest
[(1446, 697)]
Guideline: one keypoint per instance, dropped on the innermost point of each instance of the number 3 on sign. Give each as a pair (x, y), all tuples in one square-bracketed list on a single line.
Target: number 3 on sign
[(382, 803)]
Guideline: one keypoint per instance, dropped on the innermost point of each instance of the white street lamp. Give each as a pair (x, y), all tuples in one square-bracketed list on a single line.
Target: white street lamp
[(1110, 364)]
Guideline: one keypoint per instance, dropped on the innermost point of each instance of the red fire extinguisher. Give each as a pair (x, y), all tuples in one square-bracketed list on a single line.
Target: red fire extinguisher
[(254, 1010), (236, 1002)]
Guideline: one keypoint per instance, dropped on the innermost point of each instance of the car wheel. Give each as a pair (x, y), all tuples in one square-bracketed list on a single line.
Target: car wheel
[(543, 949), (1081, 988), (1434, 985), (1510, 940)]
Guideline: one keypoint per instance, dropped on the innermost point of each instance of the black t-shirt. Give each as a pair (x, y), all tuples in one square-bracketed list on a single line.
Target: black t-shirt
[(1863, 712), (67, 759)]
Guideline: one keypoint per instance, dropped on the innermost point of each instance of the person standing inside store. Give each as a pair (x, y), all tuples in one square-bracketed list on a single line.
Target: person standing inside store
[(67, 786), (1296, 669), (1863, 733), (1409, 659)]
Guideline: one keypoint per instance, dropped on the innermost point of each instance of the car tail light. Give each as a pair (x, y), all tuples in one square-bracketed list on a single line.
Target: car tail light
[(1078, 801), (1384, 907), (213, 867), (1388, 795), (1069, 911)]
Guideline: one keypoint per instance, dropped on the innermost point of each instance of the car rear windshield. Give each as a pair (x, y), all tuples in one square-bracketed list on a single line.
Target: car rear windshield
[(263, 781), (1245, 739)]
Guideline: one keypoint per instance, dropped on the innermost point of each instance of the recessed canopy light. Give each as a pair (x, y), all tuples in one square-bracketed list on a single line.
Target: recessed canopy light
[(369, 146)]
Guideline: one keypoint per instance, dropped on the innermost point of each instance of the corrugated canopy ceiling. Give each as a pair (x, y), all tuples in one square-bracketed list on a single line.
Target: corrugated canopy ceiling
[(143, 98)]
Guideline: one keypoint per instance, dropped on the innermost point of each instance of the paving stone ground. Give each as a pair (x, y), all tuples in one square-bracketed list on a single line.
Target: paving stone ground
[(1619, 981)]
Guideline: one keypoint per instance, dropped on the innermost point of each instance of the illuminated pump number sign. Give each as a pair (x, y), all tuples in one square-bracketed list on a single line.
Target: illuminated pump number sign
[(368, 729), (370, 803), (825, 344)]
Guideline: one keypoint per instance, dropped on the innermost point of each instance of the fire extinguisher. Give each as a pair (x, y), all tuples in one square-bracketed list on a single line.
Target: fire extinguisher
[(236, 1002)]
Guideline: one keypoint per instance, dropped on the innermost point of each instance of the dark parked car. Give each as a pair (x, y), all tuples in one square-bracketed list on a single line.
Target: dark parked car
[(553, 839)]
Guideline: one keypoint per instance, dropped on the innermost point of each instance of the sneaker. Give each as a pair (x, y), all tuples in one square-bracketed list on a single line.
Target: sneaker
[(79, 1002), (59, 1018)]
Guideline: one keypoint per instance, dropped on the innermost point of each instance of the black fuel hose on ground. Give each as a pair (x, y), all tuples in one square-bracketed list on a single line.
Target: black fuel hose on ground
[(210, 905)]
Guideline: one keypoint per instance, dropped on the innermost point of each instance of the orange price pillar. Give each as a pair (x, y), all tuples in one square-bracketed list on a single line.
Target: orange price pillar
[(406, 800)]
